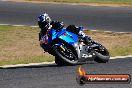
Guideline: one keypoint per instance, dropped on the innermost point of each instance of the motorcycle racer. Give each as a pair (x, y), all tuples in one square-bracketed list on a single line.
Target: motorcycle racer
[(46, 24)]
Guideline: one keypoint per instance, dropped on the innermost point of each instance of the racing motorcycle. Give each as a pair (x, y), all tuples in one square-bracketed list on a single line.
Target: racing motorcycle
[(69, 49)]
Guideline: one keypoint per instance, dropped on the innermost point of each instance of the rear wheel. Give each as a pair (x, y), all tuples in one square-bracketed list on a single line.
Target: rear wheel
[(102, 54)]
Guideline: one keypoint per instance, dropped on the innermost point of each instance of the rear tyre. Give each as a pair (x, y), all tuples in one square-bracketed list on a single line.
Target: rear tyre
[(101, 55)]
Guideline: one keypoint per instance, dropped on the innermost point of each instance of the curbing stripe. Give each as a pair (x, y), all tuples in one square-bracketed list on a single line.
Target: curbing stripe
[(19, 25), (27, 65), (116, 57), (34, 26), (5, 24), (50, 63), (38, 26)]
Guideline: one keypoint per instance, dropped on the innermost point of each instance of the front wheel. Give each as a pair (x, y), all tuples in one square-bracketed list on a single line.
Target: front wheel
[(66, 55), (102, 54), (60, 62)]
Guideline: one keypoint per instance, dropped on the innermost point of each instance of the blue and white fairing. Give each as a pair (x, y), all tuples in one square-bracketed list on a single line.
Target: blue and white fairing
[(71, 39), (62, 34)]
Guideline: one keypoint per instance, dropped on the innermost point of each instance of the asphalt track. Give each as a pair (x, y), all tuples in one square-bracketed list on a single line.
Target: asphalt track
[(51, 76), (117, 19)]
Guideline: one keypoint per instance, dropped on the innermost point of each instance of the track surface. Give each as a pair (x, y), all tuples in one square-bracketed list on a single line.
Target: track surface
[(51, 76), (117, 19)]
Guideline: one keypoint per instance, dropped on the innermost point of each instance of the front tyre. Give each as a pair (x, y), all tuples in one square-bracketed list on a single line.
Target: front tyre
[(66, 56), (60, 62)]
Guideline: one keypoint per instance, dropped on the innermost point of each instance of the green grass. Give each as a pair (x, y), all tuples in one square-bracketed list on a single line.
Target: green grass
[(90, 1), (119, 51), (35, 59), (20, 45)]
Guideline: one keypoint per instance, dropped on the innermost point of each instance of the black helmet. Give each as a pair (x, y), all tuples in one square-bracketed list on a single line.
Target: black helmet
[(44, 21)]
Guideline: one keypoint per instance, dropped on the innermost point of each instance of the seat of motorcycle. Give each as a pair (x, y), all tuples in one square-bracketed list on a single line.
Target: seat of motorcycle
[(57, 25), (73, 29)]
